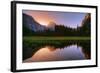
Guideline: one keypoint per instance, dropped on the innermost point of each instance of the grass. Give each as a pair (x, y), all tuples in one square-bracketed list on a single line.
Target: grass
[(30, 38), (51, 40)]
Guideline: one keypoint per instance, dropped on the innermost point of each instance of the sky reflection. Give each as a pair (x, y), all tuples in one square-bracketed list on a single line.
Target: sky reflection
[(49, 53)]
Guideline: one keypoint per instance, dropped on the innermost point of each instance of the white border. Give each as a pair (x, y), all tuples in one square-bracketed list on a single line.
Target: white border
[(35, 65)]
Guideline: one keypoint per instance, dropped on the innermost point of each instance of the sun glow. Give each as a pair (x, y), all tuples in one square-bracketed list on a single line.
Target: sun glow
[(43, 23)]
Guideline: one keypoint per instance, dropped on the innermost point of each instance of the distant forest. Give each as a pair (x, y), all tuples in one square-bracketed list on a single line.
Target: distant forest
[(61, 30)]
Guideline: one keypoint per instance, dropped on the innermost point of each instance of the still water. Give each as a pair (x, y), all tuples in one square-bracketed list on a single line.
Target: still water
[(72, 51)]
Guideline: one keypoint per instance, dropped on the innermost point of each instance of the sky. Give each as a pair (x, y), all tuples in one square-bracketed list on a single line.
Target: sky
[(69, 19)]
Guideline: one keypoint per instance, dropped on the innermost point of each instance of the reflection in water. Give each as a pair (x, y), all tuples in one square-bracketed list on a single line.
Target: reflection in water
[(49, 53), (52, 53)]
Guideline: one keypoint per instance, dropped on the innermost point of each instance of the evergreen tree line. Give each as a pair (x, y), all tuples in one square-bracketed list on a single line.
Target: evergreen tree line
[(61, 30)]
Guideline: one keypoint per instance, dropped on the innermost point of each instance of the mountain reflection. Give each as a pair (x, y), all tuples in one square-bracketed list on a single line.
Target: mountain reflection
[(72, 51)]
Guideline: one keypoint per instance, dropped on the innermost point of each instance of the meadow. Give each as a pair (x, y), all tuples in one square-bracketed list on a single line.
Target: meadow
[(41, 40), (44, 38)]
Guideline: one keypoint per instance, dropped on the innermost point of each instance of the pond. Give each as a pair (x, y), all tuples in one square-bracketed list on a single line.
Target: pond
[(69, 50)]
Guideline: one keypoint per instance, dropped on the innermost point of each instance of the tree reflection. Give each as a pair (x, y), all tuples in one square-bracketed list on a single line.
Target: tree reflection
[(30, 50)]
